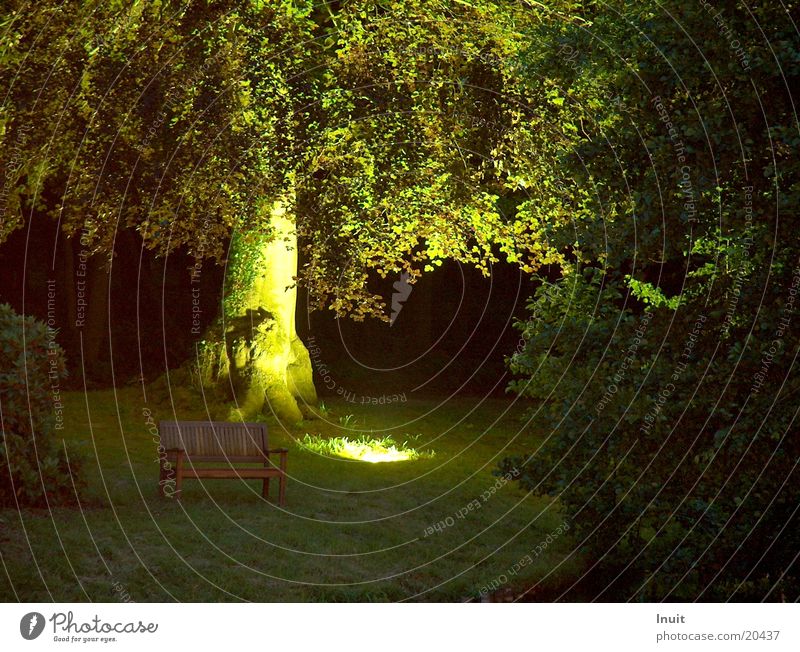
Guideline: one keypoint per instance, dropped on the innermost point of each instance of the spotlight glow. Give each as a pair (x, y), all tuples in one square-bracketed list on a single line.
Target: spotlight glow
[(363, 449)]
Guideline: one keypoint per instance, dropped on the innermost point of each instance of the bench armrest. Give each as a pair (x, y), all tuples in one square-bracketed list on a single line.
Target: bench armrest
[(284, 453)]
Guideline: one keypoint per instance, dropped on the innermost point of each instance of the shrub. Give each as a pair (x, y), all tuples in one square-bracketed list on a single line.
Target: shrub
[(34, 468), (667, 384), (678, 476)]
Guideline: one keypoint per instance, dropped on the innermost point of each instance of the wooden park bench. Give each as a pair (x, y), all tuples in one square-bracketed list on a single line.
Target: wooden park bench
[(189, 443)]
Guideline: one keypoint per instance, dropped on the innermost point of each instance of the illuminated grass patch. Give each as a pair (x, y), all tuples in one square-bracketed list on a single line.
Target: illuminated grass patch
[(364, 448)]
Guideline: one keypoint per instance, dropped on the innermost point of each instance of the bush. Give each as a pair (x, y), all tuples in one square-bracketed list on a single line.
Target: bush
[(679, 478), (666, 376), (35, 469)]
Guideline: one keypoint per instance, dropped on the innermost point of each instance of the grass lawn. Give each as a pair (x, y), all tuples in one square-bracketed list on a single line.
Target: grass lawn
[(351, 531)]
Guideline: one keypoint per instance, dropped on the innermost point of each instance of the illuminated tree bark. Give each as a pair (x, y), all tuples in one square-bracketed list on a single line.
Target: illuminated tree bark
[(261, 360)]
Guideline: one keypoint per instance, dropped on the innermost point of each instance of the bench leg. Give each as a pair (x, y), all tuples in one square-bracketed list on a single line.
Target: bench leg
[(265, 488), (166, 476), (282, 490), (282, 484), (178, 474)]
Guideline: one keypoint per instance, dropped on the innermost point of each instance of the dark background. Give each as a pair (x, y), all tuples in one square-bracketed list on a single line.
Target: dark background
[(452, 334)]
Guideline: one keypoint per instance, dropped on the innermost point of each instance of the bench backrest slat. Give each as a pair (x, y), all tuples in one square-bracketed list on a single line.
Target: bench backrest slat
[(214, 438)]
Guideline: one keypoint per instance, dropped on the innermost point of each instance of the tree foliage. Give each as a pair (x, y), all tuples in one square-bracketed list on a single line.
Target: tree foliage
[(399, 132), (662, 360)]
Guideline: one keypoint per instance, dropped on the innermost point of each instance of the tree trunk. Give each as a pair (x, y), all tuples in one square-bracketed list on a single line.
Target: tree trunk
[(96, 328), (262, 361), (89, 287), (69, 337)]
